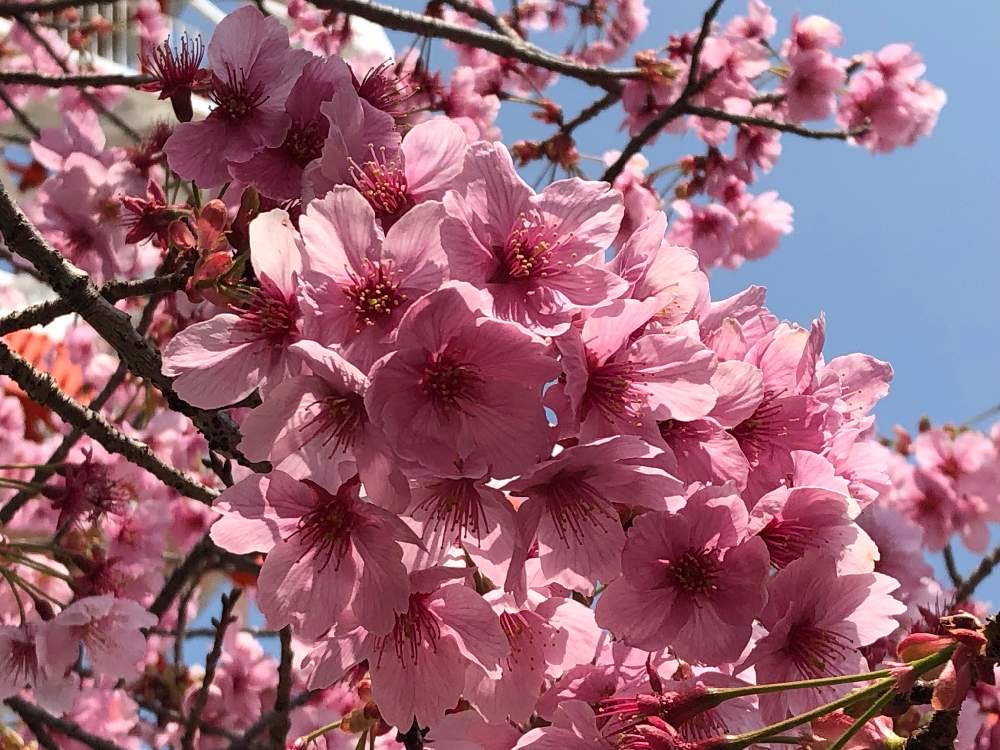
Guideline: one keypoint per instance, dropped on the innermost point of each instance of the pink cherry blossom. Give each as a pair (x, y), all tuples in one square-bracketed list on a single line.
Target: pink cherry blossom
[(534, 254), (691, 579), (462, 392), (224, 359), (360, 282), (110, 630), (327, 550)]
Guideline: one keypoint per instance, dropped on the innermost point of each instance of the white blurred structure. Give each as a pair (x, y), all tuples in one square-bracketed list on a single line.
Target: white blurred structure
[(117, 52)]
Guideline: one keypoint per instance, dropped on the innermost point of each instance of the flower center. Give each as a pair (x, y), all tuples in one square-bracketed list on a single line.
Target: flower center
[(326, 528), (816, 652), (695, 572), (271, 314), (21, 661), (528, 252), (414, 630), (374, 293), (611, 390), (455, 506), (760, 429), (786, 541), (573, 505), (304, 141), (341, 417), (233, 97), (448, 381), (382, 182)]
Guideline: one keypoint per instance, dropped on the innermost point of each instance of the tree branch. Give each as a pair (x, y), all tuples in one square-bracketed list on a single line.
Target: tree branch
[(113, 325), (19, 114), (30, 712), (112, 291), (42, 389), (784, 127), (951, 567), (211, 662), (11, 10), (693, 86), (976, 577), (498, 44), (279, 728), (26, 78)]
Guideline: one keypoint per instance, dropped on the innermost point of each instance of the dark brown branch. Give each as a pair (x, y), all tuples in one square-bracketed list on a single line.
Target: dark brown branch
[(498, 44), (24, 78), (211, 662), (784, 127), (692, 86), (19, 114), (112, 324), (71, 729), (590, 112), (112, 291), (198, 555), (38, 728), (88, 97), (484, 17), (246, 741), (279, 728), (42, 473), (951, 567), (937, 734), (976, 577), (42, 389)]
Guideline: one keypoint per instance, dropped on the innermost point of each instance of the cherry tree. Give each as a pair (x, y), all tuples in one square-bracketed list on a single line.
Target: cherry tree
[(332, 416)]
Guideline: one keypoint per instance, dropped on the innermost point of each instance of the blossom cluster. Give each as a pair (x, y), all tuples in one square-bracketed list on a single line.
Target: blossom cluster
[(509, 477)]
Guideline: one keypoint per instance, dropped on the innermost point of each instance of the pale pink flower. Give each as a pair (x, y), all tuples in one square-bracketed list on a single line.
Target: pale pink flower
[(39, 655), (705, 229), (473, 110), (762, 224), (641, 200), (462, 392), (359, 282), (618, 384), (758, 23), (253, 71), (810, 33), (318, 421), (537, 255), (691, 580), (811, 88), (222, 360), (326, 551), (418, 669), (277, 171), (546, 636), (574, 727), (816, 621), (570, 511), (111, 632)]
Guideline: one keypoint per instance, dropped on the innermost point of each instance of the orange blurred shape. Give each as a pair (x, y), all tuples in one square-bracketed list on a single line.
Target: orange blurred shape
[(50, 357)]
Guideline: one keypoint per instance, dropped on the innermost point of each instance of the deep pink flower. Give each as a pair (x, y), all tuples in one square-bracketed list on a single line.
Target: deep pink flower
[(326, 551), (418, 669), (762, 223), (253, 71), (277, 171), (39, 655), (111, 632), (705, 229), (817, 620), (222, 360), (462, 392), (318, 422), (394, 180), (570, 510), (617, 384), (691, 580), (360, 282), (537, 255), (811, 88), (574, 727)]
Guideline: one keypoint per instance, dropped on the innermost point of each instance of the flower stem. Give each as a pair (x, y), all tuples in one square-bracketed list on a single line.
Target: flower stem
[(775, 687), (306, 739), (874, 710)]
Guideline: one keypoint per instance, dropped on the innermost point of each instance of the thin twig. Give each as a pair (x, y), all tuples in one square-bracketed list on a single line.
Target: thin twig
[(590, 112), (976, 577), (211, 662), (764, 122), (112, 324), (951, 567), (173, 585), (247, 739), (279, 728), (692, 86), (498, 44), (19, 114), (491, 20), (42, 389), (113, 291), (64, 726), (26, 78)]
